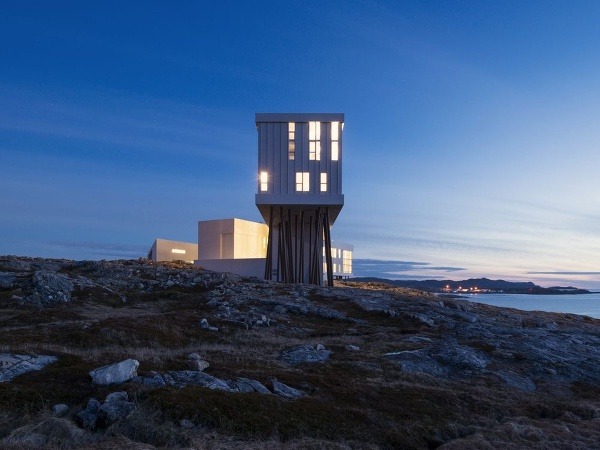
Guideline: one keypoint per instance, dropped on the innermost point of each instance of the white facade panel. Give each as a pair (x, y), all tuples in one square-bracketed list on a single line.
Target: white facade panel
[(231, 239), (167, 250)]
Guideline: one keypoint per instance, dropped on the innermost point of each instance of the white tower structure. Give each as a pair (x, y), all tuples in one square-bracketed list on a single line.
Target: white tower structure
[(299, 192)]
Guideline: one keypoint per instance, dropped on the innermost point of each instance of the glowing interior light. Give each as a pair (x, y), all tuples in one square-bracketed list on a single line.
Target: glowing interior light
[(335, 141), (264, 179), (302, 182), (314, 141), (335, 131), (179, 251), (323, 182)]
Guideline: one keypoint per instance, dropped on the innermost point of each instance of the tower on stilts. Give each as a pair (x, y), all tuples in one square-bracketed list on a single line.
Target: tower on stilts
[(299, 192)]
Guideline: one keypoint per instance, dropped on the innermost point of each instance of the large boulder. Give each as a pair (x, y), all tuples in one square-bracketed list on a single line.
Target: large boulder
[(116, 406), (115, 373), (14, 365)]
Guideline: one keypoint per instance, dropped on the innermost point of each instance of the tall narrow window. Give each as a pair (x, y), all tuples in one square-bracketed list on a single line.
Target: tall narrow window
[(291, 140), (323, 181), (335, 141), (347, 261), (264, 181), (302, 182), (314, 141)]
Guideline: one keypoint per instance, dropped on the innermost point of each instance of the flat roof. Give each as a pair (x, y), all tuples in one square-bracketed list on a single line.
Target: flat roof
[(299, 117)]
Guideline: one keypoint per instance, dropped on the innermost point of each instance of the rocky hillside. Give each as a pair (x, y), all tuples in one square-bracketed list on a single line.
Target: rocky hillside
[(135, 354)]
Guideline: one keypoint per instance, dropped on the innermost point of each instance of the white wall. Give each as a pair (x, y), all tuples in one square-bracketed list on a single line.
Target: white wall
[(167, 250), (232, 239)]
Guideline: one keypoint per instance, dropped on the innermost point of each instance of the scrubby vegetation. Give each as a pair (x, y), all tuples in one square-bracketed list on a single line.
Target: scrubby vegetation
[(379, 393)]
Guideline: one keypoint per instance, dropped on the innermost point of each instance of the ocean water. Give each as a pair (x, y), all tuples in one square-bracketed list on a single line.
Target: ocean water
[(584, 304)]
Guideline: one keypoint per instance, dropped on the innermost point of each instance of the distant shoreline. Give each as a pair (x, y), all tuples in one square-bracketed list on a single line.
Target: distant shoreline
[(477, 286)]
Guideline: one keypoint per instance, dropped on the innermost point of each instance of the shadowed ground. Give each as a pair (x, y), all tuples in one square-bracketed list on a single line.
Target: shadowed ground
[(381, 367)]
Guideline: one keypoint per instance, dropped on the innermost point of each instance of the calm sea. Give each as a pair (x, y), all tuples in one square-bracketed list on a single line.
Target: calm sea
[(584, 304)]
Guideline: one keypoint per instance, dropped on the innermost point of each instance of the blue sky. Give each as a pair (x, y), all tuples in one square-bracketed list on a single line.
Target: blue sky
[(471, 145)]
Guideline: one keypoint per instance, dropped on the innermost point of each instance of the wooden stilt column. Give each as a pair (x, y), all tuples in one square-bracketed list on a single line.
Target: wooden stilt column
[(328, 257), (269, 259)]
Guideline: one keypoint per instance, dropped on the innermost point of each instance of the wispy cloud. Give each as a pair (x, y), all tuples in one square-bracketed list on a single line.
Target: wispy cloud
[(446, 269), (134, 123), (398, 269), (561, 272)]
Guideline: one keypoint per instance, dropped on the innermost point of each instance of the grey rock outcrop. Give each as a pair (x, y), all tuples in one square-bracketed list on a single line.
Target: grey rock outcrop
[(286, 391), (306, 354), (182, 378), (248, 385), (51, 287), (15, 365), (443, 359), (96, 415), (116, 407), (196, 378), (7, 280), (115, 373)]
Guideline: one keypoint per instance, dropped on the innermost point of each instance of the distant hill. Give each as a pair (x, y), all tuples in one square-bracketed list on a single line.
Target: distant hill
[(511, 287)]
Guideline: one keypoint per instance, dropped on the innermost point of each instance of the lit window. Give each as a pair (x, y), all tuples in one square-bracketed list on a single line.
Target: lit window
[(323, 182), (264, 179), (347, 261), (335, 141), (178, 251), (291, 140), (314, 141), (302, 182)]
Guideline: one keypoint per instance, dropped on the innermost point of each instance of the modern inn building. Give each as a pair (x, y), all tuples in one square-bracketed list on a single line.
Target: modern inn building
[(299, 192), (299, 195)]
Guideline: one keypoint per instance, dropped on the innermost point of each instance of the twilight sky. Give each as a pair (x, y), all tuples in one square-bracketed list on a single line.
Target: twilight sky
[(471, 145)]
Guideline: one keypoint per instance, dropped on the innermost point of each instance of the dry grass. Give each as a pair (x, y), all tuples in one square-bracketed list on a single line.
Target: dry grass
[(356, 399)]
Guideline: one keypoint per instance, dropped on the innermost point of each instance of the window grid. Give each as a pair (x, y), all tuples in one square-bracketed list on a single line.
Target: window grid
[(302, 182), (335, 141), (314, 141), (264, 181), (323, 182)]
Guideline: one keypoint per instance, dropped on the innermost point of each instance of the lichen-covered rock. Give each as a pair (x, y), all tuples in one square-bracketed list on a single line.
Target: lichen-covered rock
[(115, 373), (15, 365)]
